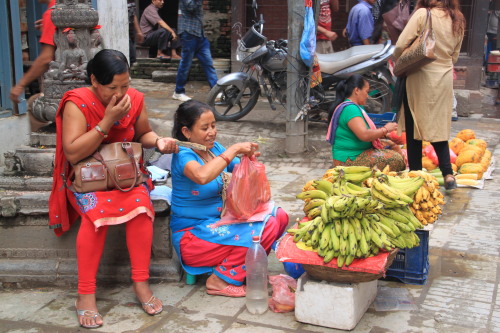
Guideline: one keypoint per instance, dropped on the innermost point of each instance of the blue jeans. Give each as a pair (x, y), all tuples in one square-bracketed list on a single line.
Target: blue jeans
[(198, 47)]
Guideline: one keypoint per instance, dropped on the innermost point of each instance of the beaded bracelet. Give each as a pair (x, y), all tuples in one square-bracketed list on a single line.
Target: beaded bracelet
[(224, 157), (101, 131)]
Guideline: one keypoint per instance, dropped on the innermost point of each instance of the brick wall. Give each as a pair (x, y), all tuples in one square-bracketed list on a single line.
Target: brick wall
[(218, 26)]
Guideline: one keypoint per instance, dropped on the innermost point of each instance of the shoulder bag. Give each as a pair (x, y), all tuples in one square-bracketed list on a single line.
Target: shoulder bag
[(113, 166), (419, 53)]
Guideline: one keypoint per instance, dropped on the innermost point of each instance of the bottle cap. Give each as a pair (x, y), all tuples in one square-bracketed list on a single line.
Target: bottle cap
[(256, 238)]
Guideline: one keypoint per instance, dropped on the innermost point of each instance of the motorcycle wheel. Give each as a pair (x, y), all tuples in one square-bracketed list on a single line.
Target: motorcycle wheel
[(226, 106), (379, 96)]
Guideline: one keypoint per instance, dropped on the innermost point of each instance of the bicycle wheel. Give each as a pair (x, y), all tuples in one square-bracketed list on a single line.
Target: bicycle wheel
[(226, 103)]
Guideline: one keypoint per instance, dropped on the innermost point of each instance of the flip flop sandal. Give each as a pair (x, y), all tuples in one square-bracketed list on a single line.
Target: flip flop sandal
[(164, 59), (151, 303), (229, 291), (88, 314)]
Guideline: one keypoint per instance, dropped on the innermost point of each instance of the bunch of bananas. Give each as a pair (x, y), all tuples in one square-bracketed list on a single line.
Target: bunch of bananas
[(428, 199), (348, 221)]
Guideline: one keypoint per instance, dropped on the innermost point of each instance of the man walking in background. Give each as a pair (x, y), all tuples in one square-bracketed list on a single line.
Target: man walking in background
[(360, 23), (194, 44)]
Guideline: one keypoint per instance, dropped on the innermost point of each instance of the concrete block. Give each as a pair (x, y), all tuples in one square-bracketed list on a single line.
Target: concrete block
[(330, 304)]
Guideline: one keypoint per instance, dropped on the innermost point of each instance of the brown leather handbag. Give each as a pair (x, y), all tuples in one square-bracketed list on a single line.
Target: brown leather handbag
[(419, 53), (113, 166)]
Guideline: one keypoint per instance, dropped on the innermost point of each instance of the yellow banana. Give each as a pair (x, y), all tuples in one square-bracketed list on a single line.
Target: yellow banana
[(355, 169), (314, 212), (312, 204)]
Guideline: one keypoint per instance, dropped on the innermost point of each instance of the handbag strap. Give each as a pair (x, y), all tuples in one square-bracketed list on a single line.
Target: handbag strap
[(127, 147), (428, 19)]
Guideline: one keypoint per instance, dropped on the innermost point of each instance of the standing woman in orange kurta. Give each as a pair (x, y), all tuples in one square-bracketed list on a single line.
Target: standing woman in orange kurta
[(108, 111)]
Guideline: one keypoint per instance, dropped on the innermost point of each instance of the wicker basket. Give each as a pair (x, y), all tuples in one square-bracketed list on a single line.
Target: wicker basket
[(332, 274)]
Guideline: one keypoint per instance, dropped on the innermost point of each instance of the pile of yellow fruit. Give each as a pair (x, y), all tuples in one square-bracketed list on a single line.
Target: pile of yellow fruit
[(473, 157)]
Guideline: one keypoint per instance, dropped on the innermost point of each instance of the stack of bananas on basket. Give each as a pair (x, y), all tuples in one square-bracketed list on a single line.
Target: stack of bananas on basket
[(428, 200), (348, 221)]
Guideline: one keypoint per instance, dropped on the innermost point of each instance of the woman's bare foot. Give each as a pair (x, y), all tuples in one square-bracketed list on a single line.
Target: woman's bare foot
[(216, 283), (88, 304), (150, 304), (175, 55)]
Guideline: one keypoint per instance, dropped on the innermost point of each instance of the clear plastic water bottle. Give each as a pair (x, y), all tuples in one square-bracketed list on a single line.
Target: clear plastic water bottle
[(256, 267)]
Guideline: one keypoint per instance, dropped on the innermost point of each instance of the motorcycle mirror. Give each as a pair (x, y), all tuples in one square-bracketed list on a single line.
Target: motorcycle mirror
[(254, 4)]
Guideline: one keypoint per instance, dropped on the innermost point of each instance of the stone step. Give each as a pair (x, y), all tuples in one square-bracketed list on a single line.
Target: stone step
[(26, 160), (35, 202), (25, 183), (51, 272), (168, 76)]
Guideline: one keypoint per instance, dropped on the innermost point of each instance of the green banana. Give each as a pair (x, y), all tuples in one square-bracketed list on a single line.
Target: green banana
[(355, 169), (340, 260), (334, 238), (315, 238), (391, 224), (343, 245), (336, 189), (338, 227), (353, 243), (357, 177), (387, 230), (345, 227), (330, 254), (357, 190), (376, 239), (313, 203), (386, 190), (325, 239), (312, 194), (363, 245), (314, 212), (356, 223), (349, 259), (324, 185), (324, 213)]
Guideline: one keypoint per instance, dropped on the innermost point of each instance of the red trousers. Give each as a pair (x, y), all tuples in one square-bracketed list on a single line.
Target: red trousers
[(229, 260), (90, 245)]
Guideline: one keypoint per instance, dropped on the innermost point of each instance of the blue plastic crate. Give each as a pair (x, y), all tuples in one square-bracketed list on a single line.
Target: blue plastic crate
[(382, 119), (411, 266)]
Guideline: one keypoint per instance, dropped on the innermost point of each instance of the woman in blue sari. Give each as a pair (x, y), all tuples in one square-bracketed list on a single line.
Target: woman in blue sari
[(199, 180)]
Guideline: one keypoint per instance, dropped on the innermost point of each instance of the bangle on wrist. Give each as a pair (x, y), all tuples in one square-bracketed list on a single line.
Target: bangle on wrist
[(224, 157), (156, 141), (101, 131)]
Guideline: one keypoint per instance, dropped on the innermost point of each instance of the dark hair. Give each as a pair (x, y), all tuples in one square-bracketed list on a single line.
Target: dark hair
[(186, 115), (106, 64), (344, 90), (452, 8)]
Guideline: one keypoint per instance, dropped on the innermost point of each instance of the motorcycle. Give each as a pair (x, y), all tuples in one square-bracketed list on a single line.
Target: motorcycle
[(263, 73)]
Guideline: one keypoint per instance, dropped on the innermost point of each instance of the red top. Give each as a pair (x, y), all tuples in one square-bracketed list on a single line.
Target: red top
[(101, 207), (48, 28), (324, 18)]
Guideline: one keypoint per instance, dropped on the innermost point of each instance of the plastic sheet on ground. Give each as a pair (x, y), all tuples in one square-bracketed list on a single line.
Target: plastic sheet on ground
[(287, 251), (394, 299)]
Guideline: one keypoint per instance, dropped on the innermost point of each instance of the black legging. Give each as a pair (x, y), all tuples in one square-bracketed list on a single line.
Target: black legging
[(414, 147)]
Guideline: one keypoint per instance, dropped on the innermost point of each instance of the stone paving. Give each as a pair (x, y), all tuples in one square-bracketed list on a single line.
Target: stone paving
[(461, 294)]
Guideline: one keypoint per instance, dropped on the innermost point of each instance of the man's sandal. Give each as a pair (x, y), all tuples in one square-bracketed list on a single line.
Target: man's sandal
[(88, 314), (151, 304)]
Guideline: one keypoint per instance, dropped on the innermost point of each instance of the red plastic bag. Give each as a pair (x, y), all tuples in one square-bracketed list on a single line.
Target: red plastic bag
[(431, 153), (248, 191), (284, 287)]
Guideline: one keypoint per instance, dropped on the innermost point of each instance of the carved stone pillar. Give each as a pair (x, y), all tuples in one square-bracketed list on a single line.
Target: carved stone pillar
[(76, 42)]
